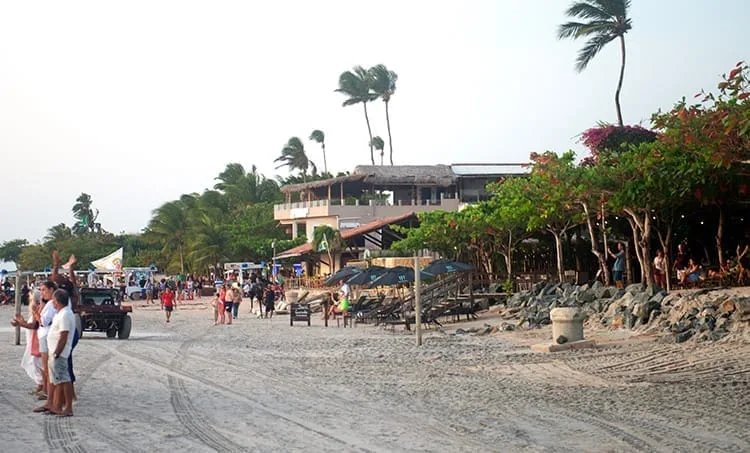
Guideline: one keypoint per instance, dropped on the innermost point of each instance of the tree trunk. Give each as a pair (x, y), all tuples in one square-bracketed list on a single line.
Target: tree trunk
[(619, 83), (559, 252), (644, 234), (369, 131), (720, 236), (182, 261), (601, 257), (636, 244), (605, 241), (509, 256), (666, 242), (388, 123), (325, 164)]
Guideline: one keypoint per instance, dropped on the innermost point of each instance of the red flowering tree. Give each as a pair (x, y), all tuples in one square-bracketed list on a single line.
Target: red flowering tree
[(715, 134), (614, 139)]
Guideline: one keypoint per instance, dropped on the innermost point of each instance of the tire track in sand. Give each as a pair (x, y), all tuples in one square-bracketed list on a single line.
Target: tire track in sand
[(350, 443)]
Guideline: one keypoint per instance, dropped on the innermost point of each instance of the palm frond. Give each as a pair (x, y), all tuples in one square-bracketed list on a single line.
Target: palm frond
[(318, 136), (591, 49), (588, 9)]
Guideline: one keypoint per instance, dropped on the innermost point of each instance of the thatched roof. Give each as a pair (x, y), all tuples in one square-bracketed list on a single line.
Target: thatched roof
[(432, 175), (384, 175), (293, 188)]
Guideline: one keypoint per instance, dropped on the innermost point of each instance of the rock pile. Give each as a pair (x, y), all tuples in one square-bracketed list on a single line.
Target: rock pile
[(705, 315)]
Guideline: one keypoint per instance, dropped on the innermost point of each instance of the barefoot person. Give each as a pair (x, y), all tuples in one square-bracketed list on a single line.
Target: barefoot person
[(60, 344)]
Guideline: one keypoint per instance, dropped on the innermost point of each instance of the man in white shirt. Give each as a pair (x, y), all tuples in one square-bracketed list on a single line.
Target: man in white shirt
[(47, 315), (60, 344)]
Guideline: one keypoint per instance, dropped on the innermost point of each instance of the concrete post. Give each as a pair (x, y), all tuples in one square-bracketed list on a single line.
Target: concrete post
[(568, 323)]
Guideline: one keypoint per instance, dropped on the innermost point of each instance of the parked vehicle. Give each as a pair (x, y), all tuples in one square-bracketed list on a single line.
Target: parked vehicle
[(101, 310)]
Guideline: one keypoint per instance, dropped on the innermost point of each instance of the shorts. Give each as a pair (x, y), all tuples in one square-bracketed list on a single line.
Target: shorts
[(58, 370), (617, 276), (168, 308), (43, 345), (228, 306)]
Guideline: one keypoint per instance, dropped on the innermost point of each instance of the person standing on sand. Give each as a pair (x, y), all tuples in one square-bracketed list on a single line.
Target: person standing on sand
[(216, 303), (270, 296), (618, 268), (32, 361), (60, 344), (167, 302), (236, 300), (228, 303)]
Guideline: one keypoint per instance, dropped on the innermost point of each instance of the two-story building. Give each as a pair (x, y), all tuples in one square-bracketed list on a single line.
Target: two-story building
[(362, 205)]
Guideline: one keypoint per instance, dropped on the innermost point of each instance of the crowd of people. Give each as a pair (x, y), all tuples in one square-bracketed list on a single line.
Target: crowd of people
[(52, 336), (257, 289), (687, 270)]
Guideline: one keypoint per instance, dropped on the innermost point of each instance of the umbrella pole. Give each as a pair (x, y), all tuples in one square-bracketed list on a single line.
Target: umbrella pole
[(417, 301)]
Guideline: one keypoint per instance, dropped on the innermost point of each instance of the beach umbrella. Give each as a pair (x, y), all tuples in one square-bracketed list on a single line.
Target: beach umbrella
[(367, 276), (445, 266), (342, 274), (398, 275)]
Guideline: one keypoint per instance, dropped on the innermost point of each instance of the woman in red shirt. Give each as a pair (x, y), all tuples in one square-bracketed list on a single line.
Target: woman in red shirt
[(167, 301)]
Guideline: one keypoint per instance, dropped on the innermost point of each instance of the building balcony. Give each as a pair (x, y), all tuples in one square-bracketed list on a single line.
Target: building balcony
[(352, 208)]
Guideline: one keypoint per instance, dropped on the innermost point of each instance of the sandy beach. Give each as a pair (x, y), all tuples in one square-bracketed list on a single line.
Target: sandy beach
[(261, 385)]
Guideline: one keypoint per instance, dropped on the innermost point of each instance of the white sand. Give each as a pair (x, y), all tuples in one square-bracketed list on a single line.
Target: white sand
[(261, 385)]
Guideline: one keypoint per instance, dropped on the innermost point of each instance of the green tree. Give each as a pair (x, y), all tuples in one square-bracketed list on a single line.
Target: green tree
[(59, 232), (604, 21), (319, 137), (241, 187), (383, 83), (356, 84), (169, 226), (11, 250), (209, 242), (543, 198), (86, 216), (325, 238), (378, 144), (294, 157)]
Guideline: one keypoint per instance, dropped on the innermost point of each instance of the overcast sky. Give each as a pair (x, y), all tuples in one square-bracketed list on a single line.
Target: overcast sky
[(138, 102)]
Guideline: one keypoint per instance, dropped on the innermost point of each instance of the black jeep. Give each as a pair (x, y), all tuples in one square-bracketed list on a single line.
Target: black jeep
[(101, 310)]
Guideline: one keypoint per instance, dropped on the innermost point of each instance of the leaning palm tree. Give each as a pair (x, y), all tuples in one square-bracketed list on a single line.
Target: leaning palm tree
[(356, 85), (319, 137), (378, 144), (607, 20), (384, 85), (294, 157)]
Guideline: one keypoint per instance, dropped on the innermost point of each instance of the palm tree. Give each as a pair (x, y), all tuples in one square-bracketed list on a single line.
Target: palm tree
[(378, 144), (57, 233), (384, 85), (294, 157), (209, 242), (170, 225), (85, 215), (242, 187), (356, 85), (319, 137), (607, 20)]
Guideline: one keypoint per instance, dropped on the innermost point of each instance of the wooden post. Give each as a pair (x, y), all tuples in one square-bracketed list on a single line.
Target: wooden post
[(18, 302), (417, 301), (329, 194)]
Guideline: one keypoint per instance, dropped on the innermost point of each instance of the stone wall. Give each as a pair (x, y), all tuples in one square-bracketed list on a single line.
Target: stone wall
[(703, 315)]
